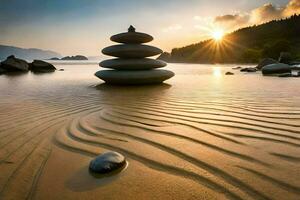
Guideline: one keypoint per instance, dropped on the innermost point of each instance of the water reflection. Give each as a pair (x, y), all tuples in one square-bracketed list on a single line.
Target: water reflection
[(217, 72)]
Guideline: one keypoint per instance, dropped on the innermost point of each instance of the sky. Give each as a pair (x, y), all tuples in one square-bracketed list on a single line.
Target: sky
[(72, 27)]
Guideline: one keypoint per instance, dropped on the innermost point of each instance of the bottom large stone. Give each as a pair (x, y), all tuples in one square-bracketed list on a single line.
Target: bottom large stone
[(144, 77)]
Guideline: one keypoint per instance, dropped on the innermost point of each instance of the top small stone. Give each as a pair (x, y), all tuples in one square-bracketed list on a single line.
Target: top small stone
[(131, 29), (131, 37)]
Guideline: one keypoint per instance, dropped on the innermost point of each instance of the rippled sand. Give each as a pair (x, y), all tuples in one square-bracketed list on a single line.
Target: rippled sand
[(202, 135)]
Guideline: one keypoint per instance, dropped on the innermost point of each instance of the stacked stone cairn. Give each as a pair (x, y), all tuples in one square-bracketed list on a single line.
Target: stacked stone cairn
[(132, 67)]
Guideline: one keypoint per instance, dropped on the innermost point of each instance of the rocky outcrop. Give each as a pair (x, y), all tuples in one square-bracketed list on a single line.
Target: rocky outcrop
[(77, 57), (55, 58), (278, 68), (285, 57), (266, 61), (41, 66), (2, 71), (13, 64)]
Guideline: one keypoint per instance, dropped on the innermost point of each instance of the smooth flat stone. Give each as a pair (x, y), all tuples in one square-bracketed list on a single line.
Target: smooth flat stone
[(131, 38), (278, 68), (41, 66), (107, 162), (132, 64), (144, 77), (131, 51), (13, 64)]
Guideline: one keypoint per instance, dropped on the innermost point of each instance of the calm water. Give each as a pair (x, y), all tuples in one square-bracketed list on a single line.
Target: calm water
[(191, 81), (235, 136)]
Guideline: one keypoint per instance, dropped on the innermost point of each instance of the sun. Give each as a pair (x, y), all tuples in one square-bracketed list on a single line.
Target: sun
[(217, 35)]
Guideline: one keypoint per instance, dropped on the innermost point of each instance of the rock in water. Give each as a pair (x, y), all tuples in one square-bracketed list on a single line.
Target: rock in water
[(141, 77), (229, 73), (248, 69), (266, 61), (285, 75), (2, 71), (41, 66), (13, 64), (131, 66), (285, 57), (278, 68), (107, 162)]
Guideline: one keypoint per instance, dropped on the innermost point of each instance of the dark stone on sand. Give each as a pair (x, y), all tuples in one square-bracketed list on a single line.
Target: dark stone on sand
[(285, 57), (266, 61), (107, 162), (141, 77), (278, 68), (235, 68), (248, 69), (132, 64), (131, 38), (61, 70), (229, 73), (131, 51), (41, 66), (13, 64)]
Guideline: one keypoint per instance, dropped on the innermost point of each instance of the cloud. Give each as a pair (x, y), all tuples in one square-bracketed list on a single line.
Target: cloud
[(232, 21), (172, 28), (264, 13), (225, 18), (293, 7)]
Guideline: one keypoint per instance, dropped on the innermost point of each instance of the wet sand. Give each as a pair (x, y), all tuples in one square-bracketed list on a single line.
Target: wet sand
[(202, 135)]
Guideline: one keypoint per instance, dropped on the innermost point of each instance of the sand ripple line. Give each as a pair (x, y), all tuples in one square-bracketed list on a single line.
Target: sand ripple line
[(281, 184), (175, 121), (211, 146), (212, 120), (186, 119), (40, 116), (246, 116), (146, 161)]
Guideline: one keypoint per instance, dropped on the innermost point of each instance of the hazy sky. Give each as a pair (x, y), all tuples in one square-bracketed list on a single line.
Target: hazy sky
[(84, 26)]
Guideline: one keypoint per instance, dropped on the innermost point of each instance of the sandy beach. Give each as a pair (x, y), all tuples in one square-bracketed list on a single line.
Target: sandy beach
[(202, 135)]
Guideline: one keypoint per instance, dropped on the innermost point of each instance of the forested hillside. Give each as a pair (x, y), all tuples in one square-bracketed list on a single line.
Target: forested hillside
[(246, 45)]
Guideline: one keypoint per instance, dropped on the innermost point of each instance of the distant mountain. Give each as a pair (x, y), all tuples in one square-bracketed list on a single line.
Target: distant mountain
[(27, 54), (246, 45)]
